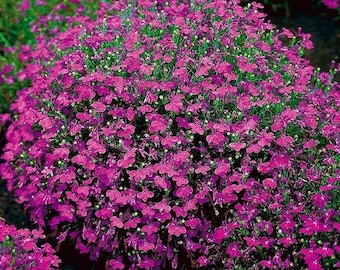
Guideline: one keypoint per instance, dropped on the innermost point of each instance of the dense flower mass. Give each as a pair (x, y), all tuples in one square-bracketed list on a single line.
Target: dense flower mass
[(174, 135), (19, 250)]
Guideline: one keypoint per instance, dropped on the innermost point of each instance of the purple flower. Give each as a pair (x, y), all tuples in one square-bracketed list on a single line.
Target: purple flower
[(176, 133)]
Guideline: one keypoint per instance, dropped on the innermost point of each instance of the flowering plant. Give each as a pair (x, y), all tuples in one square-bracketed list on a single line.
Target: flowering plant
[(19, 249), (19, 30), (180, 135)]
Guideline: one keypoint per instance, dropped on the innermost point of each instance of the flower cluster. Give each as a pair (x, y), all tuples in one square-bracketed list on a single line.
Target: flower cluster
[(19, 250), (19, 30), (180, 134), (54, 16), (332, 4)]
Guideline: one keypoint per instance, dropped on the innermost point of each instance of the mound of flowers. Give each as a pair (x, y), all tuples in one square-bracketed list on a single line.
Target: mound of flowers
[(180, 135), (19, 249)]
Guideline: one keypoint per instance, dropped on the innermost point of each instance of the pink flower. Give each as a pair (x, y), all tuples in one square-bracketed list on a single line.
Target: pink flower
[(267, 264), (145, 246), (277, 126), (145, 195), (192, 223), (252, 242), (162, 206), (116, 222), (221, 128), (202, 169), (132, 223), (237, 146), (79, 159), (325, 251), (287, 225), (196, 128), (279, 161), (130, 114), (223, 67), (24, 5), (150, 228), (222, 169), (225, 90), (219, 234), (5, 118), (160, 182), (309, 144), (285, 141), (126, 131), (192, 246), (254, 148), (84, 116), (176, 230), (230, 189), (202, 71), (203, 261), (85, 92), (47, 123), (128, 159), (244, 65), (233, 250), (269, 183), (66, 213), (263, 46), (287, 241), (286, 90), (146, 69), (332, 4), (179, 211), (184, 191), (180, 181), (96, 146), (157, 126), (181, 156), (319, 200), (146, 263), (215, 138), (243, 102), (182, 122), (98, 106), (289, 114), (115, 265)]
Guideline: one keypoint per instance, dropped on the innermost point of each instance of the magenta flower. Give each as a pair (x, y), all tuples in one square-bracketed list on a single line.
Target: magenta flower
[(333, 4), (237, 146), (176, 230), (287, 241), (115, 265), (203, 261), (269, 183), (233, 250), (222, 169)]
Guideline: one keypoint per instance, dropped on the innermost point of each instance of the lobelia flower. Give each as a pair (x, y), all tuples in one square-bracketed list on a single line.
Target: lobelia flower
[(175, 229)]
